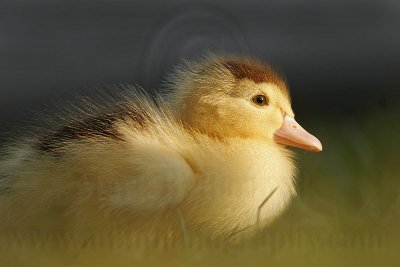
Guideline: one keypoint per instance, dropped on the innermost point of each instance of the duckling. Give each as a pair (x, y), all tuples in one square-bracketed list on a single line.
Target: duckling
[(212, 147)]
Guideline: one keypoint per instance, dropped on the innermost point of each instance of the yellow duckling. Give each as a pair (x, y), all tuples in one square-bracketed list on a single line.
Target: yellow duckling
[(209, 155)]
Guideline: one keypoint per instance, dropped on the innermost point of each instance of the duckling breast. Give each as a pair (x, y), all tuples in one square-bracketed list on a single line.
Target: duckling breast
[(241, 184)]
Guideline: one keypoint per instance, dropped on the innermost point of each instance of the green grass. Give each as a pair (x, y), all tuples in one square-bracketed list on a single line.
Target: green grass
[(347, 212)]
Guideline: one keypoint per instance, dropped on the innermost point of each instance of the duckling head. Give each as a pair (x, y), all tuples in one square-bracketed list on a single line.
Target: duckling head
[(237, 97)]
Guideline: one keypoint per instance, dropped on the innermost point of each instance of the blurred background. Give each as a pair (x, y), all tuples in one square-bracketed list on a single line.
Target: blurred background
[(341, 58)]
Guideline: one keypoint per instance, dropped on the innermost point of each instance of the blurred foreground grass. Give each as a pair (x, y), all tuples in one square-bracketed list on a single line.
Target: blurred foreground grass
[(347, 212)]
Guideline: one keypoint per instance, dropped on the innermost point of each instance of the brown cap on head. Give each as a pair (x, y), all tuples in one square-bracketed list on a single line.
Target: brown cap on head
[(256, 71)]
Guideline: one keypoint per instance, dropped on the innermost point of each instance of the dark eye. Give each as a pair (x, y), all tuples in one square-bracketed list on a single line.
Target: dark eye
[(260, 100)]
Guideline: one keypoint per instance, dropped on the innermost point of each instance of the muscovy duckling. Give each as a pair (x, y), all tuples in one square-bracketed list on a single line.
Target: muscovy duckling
[(210, 149)]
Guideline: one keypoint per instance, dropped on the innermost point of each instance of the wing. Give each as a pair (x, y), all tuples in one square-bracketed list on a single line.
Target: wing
[(157, 177)]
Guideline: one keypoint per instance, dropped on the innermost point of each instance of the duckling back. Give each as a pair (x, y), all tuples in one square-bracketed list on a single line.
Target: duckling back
[(102, 163)]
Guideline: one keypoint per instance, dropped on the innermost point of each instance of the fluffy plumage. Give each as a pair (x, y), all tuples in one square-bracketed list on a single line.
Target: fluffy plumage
[(128, 165)]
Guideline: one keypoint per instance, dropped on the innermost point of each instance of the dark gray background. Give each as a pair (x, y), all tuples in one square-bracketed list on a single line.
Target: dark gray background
[(341, 57)]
